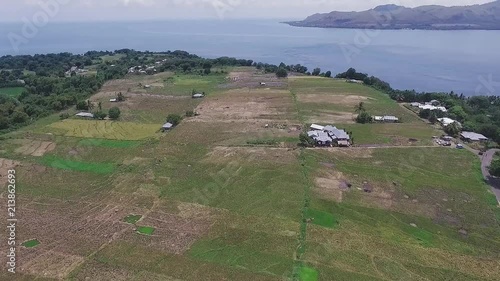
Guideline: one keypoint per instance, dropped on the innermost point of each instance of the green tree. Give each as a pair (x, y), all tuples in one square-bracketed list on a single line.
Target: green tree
[(360, 108), (174, 119), (453, 129), (316, 71), (433, 118), (19, 117), (82, 105), (306, 140), (90, 105), (114, 113), (495, 168), (425, 114), (457, 112), (120, 97), (328, 74), (364, 117), (100, 115), (282, 73)]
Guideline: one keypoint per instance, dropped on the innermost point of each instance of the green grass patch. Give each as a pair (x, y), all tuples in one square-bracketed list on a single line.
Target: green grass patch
[(183, 85), (132, 219), (308, 274), (322, 218), (147, 230), (240, 256), (60, 163), (31, 243), (109, 143), (13, 92), (112, 58), (393, 134)]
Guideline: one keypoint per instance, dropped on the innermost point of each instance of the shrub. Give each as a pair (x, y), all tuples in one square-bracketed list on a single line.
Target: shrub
[(100, 115), (306, 140), (364, 117), (189, 113), (282, 73), (114, 113), (82, 105), (64, 116), (495, 168), (174, 119)]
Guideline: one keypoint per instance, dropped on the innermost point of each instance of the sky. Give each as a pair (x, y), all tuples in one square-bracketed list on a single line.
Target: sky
[(127, 10)]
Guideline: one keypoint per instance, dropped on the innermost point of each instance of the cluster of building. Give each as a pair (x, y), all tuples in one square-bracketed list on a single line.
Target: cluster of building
[(76, 70), (144, 69), (432, 105), (329, 136)]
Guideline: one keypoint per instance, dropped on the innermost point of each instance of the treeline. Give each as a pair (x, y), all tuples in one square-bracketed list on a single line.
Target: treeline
[(49, 90), (477, 113)]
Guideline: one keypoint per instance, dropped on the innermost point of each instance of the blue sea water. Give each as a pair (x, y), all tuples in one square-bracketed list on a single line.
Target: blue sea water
[(463, 61)]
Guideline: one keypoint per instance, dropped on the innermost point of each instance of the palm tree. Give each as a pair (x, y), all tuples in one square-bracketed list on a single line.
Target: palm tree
[(360, 107), (90, 105)]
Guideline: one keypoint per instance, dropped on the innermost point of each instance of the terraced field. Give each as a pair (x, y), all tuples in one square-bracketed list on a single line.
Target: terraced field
[(228, 194), (105, 129)]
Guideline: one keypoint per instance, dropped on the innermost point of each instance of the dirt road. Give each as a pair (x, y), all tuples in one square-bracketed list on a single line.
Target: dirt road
[(486, 160)]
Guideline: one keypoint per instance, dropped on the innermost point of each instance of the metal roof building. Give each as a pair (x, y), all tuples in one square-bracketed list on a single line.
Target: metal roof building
[(471, 136)]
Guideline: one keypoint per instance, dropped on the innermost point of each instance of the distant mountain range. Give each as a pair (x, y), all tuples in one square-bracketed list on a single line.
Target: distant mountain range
[(483, 17)]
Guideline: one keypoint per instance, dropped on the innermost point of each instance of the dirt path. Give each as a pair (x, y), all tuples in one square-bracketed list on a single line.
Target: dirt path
[(486, 160)]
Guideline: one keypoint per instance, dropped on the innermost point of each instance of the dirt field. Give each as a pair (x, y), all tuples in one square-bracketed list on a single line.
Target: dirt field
[(34, 147), (106, 129), (245, 105), (250, 78), (333, 118), (338, 99), (5, 166), (132, 82)]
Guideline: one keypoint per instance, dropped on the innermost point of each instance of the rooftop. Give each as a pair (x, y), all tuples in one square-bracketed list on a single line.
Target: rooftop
[(473, 136)]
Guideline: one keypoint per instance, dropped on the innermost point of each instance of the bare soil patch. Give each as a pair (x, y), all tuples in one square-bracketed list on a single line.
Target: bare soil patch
[(329, 189), (333, 118), (246, 105), (34, 147), (222, 154), (5, 166), (253, 79), (341, 99)]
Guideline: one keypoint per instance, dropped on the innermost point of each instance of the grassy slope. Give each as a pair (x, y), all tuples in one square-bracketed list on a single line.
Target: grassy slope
[(261, 198)]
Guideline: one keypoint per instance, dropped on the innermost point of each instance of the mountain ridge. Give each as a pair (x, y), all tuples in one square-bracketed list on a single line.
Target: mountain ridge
[(390, 16)]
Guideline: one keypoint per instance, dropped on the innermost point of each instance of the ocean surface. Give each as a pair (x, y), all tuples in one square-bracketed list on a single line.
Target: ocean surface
[(463, 61)]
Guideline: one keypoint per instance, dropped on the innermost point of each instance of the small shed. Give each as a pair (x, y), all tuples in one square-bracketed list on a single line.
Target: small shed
[(85, 115), (167, 127), (198, 96), (317, 127), (262, 83), (391, 119), (113, 100)]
